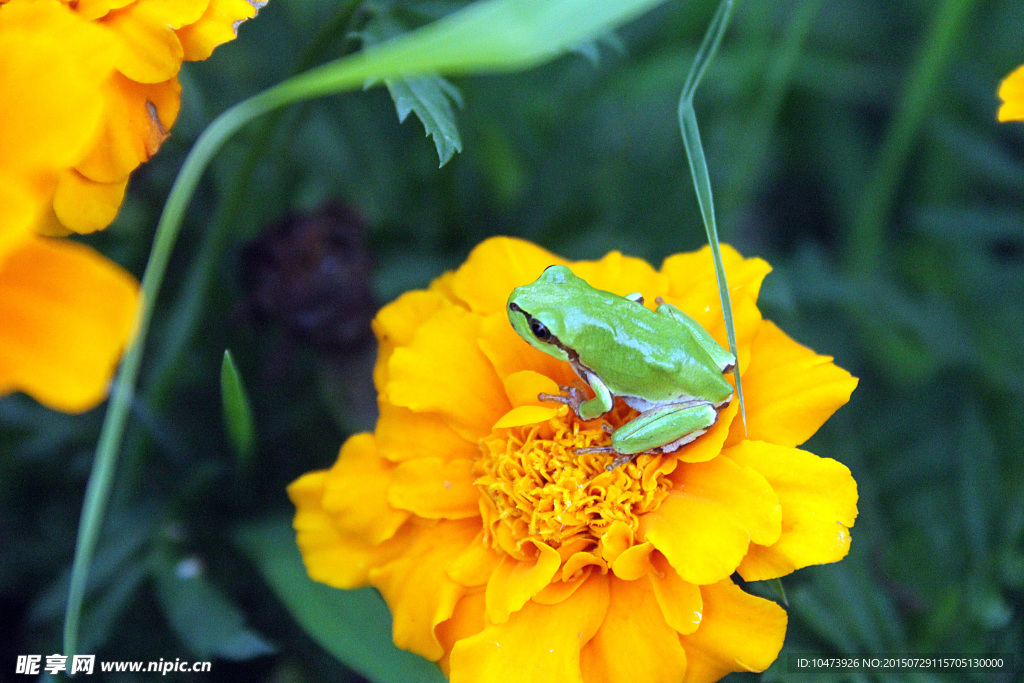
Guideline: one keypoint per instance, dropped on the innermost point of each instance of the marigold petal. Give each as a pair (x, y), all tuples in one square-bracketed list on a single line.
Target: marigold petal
[(467, 620), (789, 390), (332, 556), (84, 205), (635, 562), (434, 489), (442, 370), (693, 270), (819, 505), (356, 491), (509, 354), (136, 119), (56, 117), (705, 525), (494, 268), (417, 588), (152, 52), (634, 642), (514, 581), (709, 445), (742, 491), (537, 643), (738, 632), (525, 415), (20, 206), (406, 435), (476, 563), (623, 275), (395, 324), (1011, 92), (218, 25), (67, 315), (523, 387), (94, 9), (680, 601)]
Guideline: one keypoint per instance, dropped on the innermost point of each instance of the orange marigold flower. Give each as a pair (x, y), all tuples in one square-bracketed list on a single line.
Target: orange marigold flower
[(1011, 92), (506, 555)]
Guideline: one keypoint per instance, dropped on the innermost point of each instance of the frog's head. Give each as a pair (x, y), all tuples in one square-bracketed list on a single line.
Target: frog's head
[(538, 310)]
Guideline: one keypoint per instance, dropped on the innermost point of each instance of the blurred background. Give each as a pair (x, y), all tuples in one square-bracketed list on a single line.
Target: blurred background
[(853, 145)]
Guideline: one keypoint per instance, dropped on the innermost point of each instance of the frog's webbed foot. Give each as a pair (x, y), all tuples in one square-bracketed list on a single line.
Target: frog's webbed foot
[(571, 396)]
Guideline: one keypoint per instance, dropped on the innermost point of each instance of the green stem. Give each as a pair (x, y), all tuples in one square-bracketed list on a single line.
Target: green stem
[(867, 236), (699, 171)]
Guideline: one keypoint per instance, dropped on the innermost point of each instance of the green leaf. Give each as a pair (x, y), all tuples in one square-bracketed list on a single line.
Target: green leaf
[(201, 615), (238, 421), (430, 98), (699, 171), (353, 625)]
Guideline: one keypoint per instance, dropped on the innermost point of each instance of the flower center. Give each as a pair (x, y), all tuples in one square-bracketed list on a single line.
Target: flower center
[(543, 489)]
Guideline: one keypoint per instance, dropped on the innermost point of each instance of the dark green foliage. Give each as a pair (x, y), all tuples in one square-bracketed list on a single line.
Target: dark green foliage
[(581, 155)]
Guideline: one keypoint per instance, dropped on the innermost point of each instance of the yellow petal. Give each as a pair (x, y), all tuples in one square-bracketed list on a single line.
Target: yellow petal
[(218, 25), (356, 491), (417, 588), (494, 268), (709, 445), (136, 119), (94, 9), (405, 435), (67, 314), (635, 562), (680, 601), (474, 566), (789, 390), (467, 620), (151, 52), (514, 582), (509, 353), (21, 204), (697, 270), (1011, 92), (331, 555), (634, 643), (395, 325), (84, 205), (623, 275), (537, 643), (54, 64), (443, 371), (738, 632), (525, 415), (522, 388), (706, 523), (819, 505), (435, 489)]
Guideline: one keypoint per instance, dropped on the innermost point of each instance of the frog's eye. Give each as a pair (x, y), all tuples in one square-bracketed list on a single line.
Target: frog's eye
[(539, 330)]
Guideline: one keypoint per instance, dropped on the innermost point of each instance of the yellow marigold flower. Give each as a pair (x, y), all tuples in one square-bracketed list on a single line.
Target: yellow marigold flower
[(140, 45), (505, 555), (1011, 92), (89, 90)]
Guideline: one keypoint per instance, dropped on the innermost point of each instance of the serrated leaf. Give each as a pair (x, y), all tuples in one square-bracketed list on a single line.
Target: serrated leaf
[(200, 615), (353, 625), (430, 98), (238, 420)]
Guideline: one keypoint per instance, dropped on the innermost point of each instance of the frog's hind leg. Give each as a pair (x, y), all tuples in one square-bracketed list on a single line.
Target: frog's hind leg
[(664, 429)]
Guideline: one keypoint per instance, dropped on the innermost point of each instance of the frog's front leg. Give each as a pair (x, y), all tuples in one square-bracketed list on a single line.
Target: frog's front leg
[(664, 429), (585, 409)]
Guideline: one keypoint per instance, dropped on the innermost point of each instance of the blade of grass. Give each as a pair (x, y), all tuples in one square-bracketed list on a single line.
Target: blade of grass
[(490, 36), (866, 241), (699, 171)]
